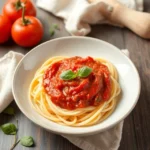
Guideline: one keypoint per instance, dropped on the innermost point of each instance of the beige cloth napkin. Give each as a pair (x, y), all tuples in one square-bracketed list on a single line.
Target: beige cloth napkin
[(78, 15), (107, 140), (7, 67)]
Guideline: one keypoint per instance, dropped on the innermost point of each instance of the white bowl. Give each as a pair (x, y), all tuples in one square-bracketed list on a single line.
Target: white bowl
[(77, 46)]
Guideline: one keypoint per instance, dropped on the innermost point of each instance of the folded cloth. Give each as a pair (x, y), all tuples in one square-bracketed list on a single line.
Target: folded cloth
[(7, 67), (107, 140), (79, 14)]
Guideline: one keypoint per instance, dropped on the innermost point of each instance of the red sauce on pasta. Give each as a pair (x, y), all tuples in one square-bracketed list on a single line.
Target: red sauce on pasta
[(79, 92)]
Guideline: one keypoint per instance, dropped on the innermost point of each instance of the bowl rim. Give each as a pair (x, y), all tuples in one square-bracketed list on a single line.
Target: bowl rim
[(93, 130)]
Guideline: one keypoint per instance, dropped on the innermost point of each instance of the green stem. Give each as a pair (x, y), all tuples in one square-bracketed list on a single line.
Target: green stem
[(18, 5), (14, 145), (15, 140), (23, 12), (16, 121), (24, 20)]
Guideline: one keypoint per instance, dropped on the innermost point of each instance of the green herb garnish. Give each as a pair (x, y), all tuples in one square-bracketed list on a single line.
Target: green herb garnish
[(27, 141), (53, 28), (70, 75), (84, 71), (9, 128), (56, 26)]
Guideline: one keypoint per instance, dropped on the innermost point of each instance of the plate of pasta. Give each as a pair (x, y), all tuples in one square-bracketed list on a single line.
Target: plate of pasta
[(76, 85)]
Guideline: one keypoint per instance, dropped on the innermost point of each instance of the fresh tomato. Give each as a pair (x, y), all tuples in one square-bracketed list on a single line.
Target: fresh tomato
[(13, 9), (5, 28), (27, 31)]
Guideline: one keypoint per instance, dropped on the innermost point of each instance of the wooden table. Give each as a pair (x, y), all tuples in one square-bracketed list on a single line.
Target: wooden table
[(136, 130)]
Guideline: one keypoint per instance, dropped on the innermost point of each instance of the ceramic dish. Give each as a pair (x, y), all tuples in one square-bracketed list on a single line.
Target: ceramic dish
[(77, 46)]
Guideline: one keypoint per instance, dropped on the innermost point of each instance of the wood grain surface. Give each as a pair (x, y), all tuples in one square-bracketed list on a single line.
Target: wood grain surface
[(136, 130)]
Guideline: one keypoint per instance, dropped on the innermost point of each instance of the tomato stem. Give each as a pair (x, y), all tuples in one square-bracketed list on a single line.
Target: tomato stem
[(18, 5), (23, 12), (24, 20)]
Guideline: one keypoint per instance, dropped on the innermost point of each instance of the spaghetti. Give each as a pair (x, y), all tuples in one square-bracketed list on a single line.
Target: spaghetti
[(68, 109)]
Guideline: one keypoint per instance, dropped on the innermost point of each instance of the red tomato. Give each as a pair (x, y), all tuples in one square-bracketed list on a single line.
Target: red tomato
[(13, 10), (27, 35), (5, 28)]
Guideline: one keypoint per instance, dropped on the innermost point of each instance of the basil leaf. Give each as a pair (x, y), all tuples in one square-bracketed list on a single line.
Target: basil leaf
[(68, 75), (9, 128), (52, 31), (53, 28), (9, 111), (84, 71), (27, 141), (56, 26)]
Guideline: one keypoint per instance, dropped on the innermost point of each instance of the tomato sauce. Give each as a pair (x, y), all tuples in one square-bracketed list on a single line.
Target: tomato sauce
[(79, 92)]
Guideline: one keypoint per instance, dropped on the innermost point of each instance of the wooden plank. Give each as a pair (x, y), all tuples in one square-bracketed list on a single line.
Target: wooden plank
[(140, 122), (140, 55)]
